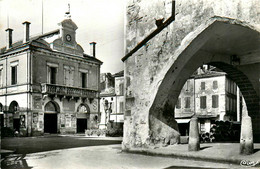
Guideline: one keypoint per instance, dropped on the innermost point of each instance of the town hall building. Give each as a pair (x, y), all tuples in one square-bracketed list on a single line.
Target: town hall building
[(48, 84)]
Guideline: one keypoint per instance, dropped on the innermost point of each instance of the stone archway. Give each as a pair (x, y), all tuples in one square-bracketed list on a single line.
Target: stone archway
[(226, 44), (13, 112), (83, 118), (51, 110)]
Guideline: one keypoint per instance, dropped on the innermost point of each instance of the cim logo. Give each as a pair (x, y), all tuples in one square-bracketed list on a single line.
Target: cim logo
[(248, 163)]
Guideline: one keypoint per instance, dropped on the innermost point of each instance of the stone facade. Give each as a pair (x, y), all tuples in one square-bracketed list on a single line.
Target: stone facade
[(112, 99), (218, 94), (48, 84), (219, 33)]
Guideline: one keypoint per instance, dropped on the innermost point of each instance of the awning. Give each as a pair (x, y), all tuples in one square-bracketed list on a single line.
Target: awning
[(182, 120)]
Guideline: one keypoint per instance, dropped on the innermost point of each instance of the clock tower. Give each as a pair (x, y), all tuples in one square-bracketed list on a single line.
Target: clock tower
[(68, 29), (66, 42)]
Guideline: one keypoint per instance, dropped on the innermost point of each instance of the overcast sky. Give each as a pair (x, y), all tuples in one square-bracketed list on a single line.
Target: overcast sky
[(101, 21)]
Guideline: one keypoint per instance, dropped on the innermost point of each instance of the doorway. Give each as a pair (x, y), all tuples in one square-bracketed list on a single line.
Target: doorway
[(81, 125), (50, 123), (16, 124)]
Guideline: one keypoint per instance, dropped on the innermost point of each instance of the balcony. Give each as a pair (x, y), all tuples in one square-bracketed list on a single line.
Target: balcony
[(68, 91)]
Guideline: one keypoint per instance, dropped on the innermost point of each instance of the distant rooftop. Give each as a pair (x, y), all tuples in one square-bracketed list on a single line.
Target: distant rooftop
[(119, 74)]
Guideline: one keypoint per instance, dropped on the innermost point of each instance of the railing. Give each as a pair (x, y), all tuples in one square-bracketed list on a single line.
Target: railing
[(68, 91)]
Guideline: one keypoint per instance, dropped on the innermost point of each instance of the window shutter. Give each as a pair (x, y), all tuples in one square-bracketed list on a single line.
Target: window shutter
[(178, 105), (203, 102), (214, 101), (215, 84), (71, 77)]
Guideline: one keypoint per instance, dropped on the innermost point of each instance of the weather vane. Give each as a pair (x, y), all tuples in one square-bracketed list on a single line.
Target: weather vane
[(67, 14)]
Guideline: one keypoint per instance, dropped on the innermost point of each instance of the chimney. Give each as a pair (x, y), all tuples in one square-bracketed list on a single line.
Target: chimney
[(9, 38), (93, 49), (26, 31)]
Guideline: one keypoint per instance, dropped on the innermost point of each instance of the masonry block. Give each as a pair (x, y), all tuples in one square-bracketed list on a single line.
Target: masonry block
[(246, 139)]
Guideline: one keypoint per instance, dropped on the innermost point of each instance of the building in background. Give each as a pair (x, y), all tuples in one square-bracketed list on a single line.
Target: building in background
[(48, 84), (211, 96), (112, 99)]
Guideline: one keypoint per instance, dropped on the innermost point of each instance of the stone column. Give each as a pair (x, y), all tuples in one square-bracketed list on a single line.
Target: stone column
[(194, 140), (246, 138)]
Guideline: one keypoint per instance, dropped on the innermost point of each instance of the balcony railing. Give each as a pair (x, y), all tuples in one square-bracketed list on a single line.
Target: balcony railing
[(68, 91)]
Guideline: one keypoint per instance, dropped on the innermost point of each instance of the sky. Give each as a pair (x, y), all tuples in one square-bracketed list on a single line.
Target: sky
[(100, 21)]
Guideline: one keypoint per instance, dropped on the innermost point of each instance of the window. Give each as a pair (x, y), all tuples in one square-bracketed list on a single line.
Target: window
[(52, 69), (202, 85), (68, 76), (83, 77), (187, 102), (178, 105), (84, 80), (121, 89), (14, 75), (203, 102), (121, 108), (53, 72), (215, 84), (214, 101)]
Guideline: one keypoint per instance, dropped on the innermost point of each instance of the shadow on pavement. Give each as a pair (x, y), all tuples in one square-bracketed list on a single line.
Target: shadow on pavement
[(202, 148), (14, 161), (256, 150)]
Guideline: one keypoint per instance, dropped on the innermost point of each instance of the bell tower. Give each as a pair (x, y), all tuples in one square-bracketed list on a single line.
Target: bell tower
[(68, 29)]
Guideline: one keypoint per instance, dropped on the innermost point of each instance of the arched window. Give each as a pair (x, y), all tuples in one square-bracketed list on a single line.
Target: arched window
[(14, 107), (83, 108), (51, 107)]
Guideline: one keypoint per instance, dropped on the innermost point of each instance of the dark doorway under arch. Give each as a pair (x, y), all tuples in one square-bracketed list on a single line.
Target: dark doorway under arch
[(83, 113), (51, 117)]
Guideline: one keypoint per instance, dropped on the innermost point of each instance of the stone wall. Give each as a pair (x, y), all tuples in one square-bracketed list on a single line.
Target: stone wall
[(165, 60)]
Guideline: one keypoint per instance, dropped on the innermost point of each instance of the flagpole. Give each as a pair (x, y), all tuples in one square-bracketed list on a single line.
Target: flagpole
[(42, 16), (7, 17)]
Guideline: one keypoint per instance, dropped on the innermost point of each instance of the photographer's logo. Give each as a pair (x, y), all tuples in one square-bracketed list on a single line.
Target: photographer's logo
[(248, 163)]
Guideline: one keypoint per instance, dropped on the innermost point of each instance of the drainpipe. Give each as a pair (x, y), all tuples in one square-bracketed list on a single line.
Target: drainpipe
[(238, 104)]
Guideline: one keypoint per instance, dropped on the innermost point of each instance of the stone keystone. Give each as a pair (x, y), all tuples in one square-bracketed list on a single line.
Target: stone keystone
[(194, 140), (246, 137)]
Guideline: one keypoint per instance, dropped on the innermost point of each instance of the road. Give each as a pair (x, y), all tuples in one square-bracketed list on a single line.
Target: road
[(26, 145), (104, 157), (55, 152)]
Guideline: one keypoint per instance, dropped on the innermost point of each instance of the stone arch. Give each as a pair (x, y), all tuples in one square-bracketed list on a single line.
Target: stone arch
[(14, 107), (52, 107), (220, 43), (51, 110), (83, 108)]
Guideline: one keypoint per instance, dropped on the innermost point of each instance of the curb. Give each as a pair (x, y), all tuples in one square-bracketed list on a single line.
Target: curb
[(185, 156)]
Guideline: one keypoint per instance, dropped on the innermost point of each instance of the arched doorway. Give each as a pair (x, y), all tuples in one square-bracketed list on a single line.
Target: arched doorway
[(17, 122), (226, 44), (83, 113), (51, 111)]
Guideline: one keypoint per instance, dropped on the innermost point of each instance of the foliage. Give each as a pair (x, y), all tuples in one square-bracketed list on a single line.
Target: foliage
[(95, 132), (114, 129)]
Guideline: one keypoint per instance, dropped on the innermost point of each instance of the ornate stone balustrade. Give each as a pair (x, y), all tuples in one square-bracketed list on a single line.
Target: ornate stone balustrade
[(68, 91)]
